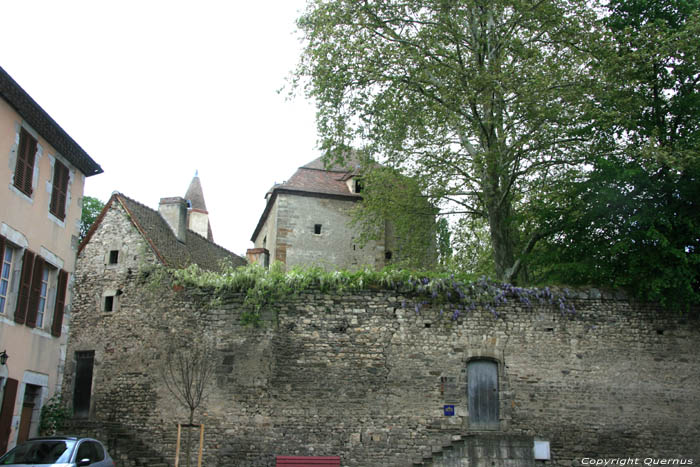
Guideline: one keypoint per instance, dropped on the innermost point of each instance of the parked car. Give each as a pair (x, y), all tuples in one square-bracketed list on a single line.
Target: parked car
[(60, 451)]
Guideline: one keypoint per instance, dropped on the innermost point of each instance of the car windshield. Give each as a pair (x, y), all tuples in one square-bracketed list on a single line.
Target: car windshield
[(40, 452)]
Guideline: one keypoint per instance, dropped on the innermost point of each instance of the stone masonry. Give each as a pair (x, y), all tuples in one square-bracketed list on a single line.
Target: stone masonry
[(362, 375)]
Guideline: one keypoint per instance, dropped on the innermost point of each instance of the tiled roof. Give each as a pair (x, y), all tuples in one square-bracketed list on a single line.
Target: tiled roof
[(351, 164), (196, 249), (35, 116), (318, 181), (313, 179)]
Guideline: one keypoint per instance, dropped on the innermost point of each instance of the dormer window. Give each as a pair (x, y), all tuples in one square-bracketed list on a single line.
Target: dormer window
[(359, 186)]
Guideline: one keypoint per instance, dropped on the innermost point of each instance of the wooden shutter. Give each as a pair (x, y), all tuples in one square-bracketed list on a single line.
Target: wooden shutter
[(59, 192), (6, 413), (35, 291), (24, 169), (60, 303), (24, 286)]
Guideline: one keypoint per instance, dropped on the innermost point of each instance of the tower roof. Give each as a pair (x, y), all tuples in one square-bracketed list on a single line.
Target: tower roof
[(195, 195)]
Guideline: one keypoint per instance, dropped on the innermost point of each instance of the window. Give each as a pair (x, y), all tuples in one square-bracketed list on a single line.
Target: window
[(359, 186), (90, 450), (113, 256), (317, 229), (110, 300), (388, 255), (59, 192), (43, 296), (36, 281), (5, 273), (24, 169)]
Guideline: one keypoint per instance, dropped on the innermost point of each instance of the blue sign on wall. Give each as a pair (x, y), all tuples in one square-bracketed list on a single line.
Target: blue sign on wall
[(449, 410)]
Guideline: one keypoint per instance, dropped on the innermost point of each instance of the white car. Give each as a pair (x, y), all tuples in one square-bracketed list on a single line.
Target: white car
[(60, 451)]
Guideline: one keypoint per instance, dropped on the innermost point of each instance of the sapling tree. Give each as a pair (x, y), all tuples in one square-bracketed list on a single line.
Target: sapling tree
[(187, 372)]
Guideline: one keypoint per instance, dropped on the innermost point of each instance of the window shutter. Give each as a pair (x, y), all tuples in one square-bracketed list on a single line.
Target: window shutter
[(24, 285), (59, 192), (3, 241), (35, 291), (60, 303), (6, 411), (24, 169)]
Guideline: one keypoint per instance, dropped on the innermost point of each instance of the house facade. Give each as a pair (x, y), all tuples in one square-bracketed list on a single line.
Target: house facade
[(306, 221), (112, 273), (41, 190)]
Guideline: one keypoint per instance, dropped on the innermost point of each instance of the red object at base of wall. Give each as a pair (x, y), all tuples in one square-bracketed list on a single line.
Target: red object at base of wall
[(296, 461)]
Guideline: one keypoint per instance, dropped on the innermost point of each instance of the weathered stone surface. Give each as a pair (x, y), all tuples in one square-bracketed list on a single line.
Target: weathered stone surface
[(360, 376)]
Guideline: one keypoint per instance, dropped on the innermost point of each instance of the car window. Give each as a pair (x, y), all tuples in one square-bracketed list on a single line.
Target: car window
[(40, 452), (86, 450), (99, 452)]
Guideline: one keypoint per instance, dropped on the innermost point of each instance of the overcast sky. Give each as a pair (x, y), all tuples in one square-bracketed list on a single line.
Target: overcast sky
[(155, 90)]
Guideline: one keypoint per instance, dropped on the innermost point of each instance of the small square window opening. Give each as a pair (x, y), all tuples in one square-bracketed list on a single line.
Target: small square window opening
[(113, 256), (359, 186), (317, 229)]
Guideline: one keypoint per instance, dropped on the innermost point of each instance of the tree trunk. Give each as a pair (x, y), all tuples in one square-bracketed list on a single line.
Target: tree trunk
[(189, 438), (501, 240)]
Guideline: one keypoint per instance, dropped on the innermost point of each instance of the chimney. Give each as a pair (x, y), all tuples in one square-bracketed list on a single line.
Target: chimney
[(174, 211)]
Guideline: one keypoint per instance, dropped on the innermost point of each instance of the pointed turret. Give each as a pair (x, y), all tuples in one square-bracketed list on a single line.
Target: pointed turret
[(197, 214)]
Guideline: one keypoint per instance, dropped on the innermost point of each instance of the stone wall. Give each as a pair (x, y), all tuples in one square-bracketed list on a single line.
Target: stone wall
[(363, 375), (334, 248)]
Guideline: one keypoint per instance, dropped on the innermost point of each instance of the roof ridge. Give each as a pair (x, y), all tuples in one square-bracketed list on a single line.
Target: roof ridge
[(189, 230)]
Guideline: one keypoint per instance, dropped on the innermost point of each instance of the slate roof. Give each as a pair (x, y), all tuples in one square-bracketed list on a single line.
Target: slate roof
[(172, 253), (195, 194), (40, 121)]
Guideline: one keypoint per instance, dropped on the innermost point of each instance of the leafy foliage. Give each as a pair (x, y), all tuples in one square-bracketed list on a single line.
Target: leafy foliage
[(91, 209), (634, 222), (484, 102), (54, 413), (456, 294), (396, 203)]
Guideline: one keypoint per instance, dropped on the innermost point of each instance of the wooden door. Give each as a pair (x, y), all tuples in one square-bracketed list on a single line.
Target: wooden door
[(482, 394), (83, 383), (25, 422)]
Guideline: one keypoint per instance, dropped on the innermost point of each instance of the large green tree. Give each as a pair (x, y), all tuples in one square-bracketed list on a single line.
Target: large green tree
[(482, 101), (635, 221)]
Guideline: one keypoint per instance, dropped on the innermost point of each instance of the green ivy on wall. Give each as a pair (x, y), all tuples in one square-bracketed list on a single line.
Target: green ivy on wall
[(453, 294)]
